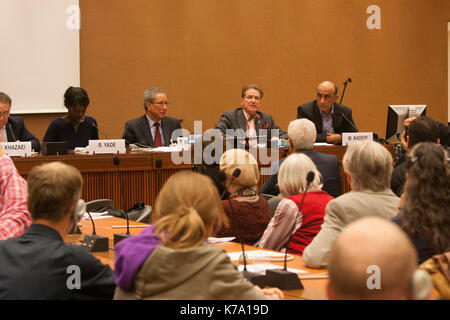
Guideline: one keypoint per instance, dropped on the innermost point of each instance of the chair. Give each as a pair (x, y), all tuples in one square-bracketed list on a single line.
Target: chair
[(143, 214), (94, 205)]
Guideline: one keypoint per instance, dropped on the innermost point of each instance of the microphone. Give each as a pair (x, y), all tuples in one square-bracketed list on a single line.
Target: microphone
[(284, 279), (12, 133), (94, 242), (119, 236), (345, 86), (351, 123), (95, 126)]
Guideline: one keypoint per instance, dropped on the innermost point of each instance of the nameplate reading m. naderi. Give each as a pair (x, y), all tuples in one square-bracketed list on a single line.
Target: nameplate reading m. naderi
[(107, 146), (17, 149), (349, 138)]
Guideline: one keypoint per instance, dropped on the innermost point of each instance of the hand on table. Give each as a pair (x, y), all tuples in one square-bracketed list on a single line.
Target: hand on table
[(273, 293), (334, 138)]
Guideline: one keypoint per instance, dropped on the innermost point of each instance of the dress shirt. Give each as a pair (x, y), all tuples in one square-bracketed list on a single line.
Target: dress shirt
[(153, 129), (251, 130), (3, 135), (14, 215), (327, 121)]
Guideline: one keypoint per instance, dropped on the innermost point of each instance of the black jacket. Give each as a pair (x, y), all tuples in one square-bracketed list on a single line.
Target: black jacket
[(16, 130)]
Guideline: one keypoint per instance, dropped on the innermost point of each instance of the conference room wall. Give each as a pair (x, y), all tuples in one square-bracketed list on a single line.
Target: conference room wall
[(202, 52)]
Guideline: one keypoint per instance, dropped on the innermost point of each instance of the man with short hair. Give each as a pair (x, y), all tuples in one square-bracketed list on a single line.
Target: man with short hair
[(369, 167), (248, 119), (302, 134), (13, 129), (422, 129), (330, 118), (38, 264), (154, 129), (372, 259), (14, 215)]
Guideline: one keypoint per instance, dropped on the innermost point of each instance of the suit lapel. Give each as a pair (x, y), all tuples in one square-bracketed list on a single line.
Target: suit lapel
[(165, 122), (240, 119), (147, 132), (318, 119), (337, 118)]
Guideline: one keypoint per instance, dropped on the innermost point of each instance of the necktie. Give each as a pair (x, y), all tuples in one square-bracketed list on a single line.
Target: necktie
[(158, 141)]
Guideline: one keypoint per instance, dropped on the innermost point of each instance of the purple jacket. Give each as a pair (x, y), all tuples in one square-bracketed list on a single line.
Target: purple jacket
[(131, 254)]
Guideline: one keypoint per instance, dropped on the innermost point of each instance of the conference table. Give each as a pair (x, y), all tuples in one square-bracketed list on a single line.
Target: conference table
[(138, 175), (314, 280)]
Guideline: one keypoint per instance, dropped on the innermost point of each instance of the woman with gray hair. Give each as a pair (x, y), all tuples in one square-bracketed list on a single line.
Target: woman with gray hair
[(291, 227), (248, 213), (368, 166)]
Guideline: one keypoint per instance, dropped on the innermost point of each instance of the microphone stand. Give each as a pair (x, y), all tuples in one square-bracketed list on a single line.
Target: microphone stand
[(94, 242), (345, 86)]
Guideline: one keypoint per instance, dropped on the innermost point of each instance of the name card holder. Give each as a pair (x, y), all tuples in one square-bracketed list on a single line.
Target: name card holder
[(17, 149), (113, 146), (349, 138)]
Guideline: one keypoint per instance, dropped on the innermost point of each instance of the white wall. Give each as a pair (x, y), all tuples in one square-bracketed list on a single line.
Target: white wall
[(39, 55)]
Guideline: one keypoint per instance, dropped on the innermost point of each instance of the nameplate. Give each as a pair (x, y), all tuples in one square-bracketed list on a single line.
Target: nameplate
[(107, 146), (349, 138), (17, 149)]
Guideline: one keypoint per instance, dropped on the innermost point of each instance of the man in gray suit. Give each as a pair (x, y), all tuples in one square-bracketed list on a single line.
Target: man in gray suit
[(369, 167), (331, 118), (154, 129), (248, 120)]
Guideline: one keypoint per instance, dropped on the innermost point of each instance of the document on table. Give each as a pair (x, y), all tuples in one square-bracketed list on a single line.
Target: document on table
[(262, 267), (96, 215), (220, 240), (255, 254)]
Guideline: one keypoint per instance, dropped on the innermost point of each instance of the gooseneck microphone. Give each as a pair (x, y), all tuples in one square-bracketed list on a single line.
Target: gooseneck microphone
[(351, 123), (95, 126), (94, 242), (12, 133), (345, 86)]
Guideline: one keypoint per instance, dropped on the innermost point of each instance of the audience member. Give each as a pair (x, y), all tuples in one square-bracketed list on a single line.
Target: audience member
[(249, 213), (374, 259), (330, 118), (302, 134), (172, 260), (14, 215), (154, 129), (13, 128), (75, 128), (248, 121), (420, 129), (425, 215), (38, 264), (289, 221), (369, 167)]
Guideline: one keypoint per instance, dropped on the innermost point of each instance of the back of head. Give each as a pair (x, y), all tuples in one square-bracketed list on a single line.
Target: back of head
[(422, 129), (240, 159), (372, 259), (303, 133), (75, 96), (52, 189), (427, 197), (369, 165), (186, 205), (293, 173), (5, 98)]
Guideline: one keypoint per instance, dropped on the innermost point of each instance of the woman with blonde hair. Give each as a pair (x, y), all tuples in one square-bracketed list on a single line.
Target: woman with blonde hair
[(291, 227), (249, 214), (171, 259)]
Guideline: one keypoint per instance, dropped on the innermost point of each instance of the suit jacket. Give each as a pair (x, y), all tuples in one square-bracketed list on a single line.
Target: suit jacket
[(342, 211), (311, 111), (235, 119), (328, 166), (16, 130), (138, 131)]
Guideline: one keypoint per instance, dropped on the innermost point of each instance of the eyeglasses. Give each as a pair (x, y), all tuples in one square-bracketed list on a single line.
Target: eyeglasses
[(161, 103), (4, 114)]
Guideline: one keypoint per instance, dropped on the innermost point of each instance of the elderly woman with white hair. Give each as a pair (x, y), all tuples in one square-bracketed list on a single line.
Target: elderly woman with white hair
[(291, 227), (369, 167), (248, 213)]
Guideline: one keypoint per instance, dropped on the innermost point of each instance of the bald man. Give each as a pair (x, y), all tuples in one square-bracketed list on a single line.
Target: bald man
[(373, 259), (330, 118)]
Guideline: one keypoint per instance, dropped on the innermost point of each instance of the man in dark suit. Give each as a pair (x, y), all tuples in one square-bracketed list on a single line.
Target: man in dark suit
[(302, 134), (154, 129), (13, 128), (248, 119), (330, 118)]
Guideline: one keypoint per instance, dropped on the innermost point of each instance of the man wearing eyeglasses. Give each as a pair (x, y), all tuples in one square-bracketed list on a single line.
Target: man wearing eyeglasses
[(154, 129), (330, 118), (13, 128)]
